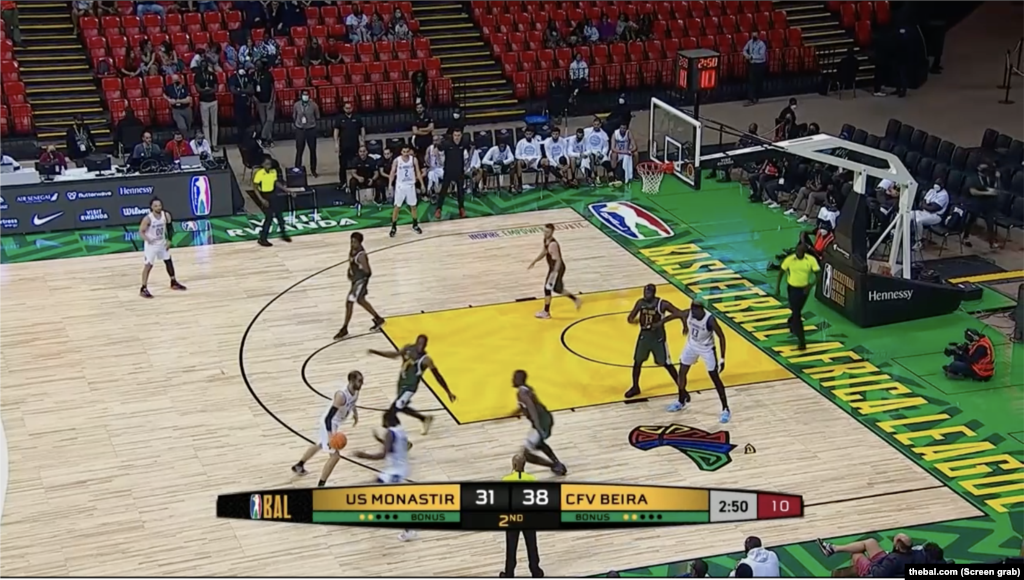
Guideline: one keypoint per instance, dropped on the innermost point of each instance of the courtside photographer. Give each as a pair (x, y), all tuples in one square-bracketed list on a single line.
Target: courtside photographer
[(973, 359)]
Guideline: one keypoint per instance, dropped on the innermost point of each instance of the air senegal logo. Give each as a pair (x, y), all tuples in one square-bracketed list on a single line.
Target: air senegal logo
[(710, 451), (631, 220)]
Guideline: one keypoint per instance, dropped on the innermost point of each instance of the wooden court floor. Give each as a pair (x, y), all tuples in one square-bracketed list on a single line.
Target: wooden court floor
[(125, 418)]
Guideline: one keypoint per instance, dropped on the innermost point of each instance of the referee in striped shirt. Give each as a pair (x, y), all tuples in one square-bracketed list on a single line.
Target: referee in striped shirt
[(512, 536)]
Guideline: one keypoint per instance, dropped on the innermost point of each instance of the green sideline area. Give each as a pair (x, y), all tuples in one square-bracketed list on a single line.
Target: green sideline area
[(970, 435)]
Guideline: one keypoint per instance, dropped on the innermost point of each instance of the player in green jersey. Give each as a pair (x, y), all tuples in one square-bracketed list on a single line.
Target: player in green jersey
[(649, 312), (541, 421), (415, 362)]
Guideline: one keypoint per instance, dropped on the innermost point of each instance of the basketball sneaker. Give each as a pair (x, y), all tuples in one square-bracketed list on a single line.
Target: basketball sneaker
[(377, 325), (416, 228), (341, 334), (677, 405), (559, 469), (299, 469), (394, 230), (578, 301), (144, 292), (175, 285), (725, 416), (407, 535), (543, 314), (826, 548), (427, 422)]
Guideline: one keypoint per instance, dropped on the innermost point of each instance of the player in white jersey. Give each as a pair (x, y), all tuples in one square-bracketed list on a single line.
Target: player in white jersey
[(499, 160), (405, 173), (596, 154), (154, 230), (528, 155), (576, 147), (700, 329), (556, 158), (342, 405), (395, 453), (435, 165), (623, 153), (474, 169)]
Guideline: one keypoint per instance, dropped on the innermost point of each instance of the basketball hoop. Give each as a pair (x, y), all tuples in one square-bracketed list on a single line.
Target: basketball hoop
[(652, 172)]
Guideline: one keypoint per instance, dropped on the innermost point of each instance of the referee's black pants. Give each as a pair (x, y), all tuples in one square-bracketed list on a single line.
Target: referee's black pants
[(305, 138), (532, 555), (275, 212), (460, 189), (346, 155), (797, 299)]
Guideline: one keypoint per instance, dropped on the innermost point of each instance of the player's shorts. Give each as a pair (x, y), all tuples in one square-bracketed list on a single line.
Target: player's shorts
[(497, 169), (403, 399), (325, 439), (534, 438), (153, 253), (358, 291), (529, 164), (645, 347), (863, 564), (405, 194), (692, 354), (554, 282)]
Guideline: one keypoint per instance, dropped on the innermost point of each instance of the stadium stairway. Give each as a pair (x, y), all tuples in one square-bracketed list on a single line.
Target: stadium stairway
[(59, 81), (823, 30), (480, 88)]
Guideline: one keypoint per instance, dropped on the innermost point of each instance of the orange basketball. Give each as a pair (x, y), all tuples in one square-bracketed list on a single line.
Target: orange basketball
[(338, 441)]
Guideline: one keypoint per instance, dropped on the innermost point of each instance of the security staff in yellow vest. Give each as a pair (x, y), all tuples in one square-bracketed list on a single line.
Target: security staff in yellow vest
[(512, 536), (268, 183), (799, 269)]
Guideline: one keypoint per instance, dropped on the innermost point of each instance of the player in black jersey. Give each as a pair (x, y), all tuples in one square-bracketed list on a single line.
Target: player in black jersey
[(359, 274), (556, 272), (650, 312)]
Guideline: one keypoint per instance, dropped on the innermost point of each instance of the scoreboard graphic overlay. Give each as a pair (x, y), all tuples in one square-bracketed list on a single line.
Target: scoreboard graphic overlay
[(505, 505)]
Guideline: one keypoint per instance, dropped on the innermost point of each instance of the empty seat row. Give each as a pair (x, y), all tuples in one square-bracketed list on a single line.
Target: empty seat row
[(594, 10)]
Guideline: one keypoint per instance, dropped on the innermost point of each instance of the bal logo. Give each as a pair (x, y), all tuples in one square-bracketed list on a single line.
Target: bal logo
[(631, 220), (255, 506), (710, 451), (200, 195)]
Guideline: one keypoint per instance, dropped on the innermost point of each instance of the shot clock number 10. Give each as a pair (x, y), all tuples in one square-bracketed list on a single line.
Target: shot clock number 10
[(698, 72)]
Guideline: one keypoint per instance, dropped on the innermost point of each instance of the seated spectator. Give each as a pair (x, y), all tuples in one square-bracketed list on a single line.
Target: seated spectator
[(80, 9), (128, 132), (201, 145), (764, 563), (398, 16), (213, 56), (743, 571), (143, 8), (606, 29), (168, 60), (105, 8), (591, 35), (698, 569), (276, 19), (202, 6), (579, 75), (768, 171), (932, 208), (983, 202), (625, 30), (147, 58), (553, 36), (645, 27), (400, 30), (230, 57), (332, 53), (377, 29), (266, 50), (314, 53), (132, 65), (247, 54), (871, 561), (178, 147), (356, 23), (198, 59), (51, 155), (577, 35), (146, 150), (812, 195)]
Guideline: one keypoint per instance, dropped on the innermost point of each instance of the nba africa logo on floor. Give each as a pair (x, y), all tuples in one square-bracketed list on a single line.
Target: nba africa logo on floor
[(630, 220), (709, 451)]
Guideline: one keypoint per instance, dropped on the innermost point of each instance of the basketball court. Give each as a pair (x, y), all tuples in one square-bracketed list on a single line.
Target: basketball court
[(125, 418)]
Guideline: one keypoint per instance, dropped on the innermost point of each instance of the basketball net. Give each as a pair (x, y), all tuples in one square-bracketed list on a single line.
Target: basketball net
[(651, 174)]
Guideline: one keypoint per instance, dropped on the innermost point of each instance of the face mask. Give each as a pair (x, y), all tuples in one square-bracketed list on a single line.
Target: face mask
[(305, 98), (622, 101)]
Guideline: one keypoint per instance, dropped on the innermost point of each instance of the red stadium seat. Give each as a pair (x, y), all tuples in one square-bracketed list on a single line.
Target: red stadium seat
[(89, 26), (413, 65), (131, 25), (142, 109), (337, 74), (365, 52), (383, 49), (521, 85), (713, 8), (133, 87), (212, 21), (421, 46), (289, 56), (395, 70), (528, 60), (635, 50), (534, 40), (862, 33), (848, 15), (601, 55), (280, 76), (405, 94), (763, 21), (14, 91), (386, 95), (618, 52), (775, 38), (357, 73), (882, 15), (318, 75), (233, 19), (110, 23), (727, 24), (347, 53), (795, 37), (745, 22), (367, 97), (22, 117), (173, 23), (433, 67), (779, 19), (111, 87), (865, 11), (9, 71), (545, 58), (193, 22)]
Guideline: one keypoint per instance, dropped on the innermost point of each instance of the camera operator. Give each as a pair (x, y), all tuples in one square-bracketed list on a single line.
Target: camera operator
[(974, 359)]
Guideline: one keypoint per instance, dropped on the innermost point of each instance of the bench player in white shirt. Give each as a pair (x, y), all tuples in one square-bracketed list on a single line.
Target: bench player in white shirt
[(556, 159), (395, 453), (342, 405), (596, 153), (528, 155), (576, 147), (623, 153), (155, 229), (434, 170), (405, 172), (700, 329), (499, 160), (474, 168)]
